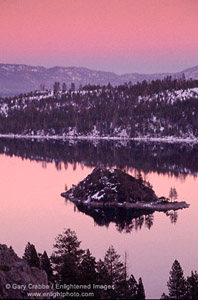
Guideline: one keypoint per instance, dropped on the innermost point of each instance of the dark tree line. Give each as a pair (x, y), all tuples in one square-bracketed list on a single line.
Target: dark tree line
[(140, 109), (69, 264), (180, 287)]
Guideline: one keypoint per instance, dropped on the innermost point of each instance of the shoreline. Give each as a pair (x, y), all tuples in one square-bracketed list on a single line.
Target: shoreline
[(113, 138), (140, 205)]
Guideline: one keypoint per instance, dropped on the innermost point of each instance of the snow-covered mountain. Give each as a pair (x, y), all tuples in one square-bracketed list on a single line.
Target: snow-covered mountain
[(16, 79)]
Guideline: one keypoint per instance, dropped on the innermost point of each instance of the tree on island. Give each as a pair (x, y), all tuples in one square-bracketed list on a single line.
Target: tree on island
[(140, 178), (173, 194)]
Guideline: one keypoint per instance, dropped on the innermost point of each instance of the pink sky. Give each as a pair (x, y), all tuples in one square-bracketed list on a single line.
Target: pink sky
[(115, 35)]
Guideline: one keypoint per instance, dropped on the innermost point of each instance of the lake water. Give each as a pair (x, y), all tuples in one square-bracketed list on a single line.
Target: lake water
[(33, 174)]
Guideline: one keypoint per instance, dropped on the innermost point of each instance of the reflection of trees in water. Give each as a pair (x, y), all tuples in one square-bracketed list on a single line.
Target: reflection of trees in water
[(149, 221), (173, 215), (126, 220), (174, 159), (136, 223)]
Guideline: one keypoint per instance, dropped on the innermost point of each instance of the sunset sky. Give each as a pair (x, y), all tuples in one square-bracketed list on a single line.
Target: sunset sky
[(112, 35)]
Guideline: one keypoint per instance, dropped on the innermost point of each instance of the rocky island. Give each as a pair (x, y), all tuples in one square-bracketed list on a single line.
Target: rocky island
[(115, 188)]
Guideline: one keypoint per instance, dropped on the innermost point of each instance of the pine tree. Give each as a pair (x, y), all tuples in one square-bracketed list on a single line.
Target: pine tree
[(115, 271), (132, 288), (173, 193), (68, 271), (31, 256), (177, 283), (113, 264), (42, 87), (67, 243), (192, 286), (88, 268), (72, 87), (67, 257), (102, 277), (64, 87), (140, 178), (140, 290), (56, 87), (46, 265), (88, 274)]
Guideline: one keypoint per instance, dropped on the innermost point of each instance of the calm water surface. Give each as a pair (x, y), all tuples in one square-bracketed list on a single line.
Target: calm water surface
[(32, 210)]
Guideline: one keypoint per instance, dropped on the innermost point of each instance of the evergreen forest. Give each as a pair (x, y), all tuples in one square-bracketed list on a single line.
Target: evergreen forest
[(70, 268), (160, 108)]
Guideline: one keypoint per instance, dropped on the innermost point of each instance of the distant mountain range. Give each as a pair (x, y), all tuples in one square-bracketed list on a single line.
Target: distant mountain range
[(19, 78)]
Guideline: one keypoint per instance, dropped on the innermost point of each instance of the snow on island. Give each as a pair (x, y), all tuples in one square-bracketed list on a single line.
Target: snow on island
[(113, 187)]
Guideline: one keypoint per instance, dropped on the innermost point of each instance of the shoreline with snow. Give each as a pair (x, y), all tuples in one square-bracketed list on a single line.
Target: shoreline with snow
[(167, 139), (138, 205)]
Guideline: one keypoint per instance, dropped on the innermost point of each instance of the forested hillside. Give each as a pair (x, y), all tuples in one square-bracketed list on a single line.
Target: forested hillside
[(160, 108)]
